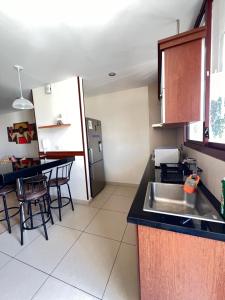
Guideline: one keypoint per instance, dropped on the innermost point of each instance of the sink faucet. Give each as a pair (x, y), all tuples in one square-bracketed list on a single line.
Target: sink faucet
[(192, 164)]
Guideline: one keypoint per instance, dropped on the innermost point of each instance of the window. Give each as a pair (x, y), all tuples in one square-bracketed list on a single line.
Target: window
[(217, 108), (217, 79), (215, 105), (195, 131)]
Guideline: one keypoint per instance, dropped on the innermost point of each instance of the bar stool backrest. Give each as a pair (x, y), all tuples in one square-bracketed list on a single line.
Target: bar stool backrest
[(64, 171), (34, 184)]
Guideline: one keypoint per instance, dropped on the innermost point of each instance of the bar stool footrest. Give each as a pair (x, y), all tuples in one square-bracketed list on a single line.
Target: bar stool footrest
[(13, 207), (57, 207), (37, 226)]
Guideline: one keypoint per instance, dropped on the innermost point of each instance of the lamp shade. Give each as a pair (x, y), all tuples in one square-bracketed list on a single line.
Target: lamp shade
[(22, 103)]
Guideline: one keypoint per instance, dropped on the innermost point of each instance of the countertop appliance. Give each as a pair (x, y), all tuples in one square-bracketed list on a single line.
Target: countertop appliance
[(174, 173), (95, 154), (166, 155)]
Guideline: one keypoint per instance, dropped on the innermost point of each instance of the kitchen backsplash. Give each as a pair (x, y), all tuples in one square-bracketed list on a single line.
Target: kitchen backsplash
[(213, 170)]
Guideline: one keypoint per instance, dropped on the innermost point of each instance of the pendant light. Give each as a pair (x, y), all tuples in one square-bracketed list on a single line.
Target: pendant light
[(21, 102)]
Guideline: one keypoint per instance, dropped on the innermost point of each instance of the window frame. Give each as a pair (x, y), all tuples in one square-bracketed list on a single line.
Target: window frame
[(216, 150)]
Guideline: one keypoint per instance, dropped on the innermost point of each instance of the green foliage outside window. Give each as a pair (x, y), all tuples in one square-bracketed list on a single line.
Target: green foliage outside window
[(216, 118)]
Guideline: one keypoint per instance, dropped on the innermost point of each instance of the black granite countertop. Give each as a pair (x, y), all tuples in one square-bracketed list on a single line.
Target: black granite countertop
[(210, 230)]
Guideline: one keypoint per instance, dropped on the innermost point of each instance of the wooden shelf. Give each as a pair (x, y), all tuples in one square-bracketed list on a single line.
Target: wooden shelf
[(169, 125), (158, 125), (54, 126)]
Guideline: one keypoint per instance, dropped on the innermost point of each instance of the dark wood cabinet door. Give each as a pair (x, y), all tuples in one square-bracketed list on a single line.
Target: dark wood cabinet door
[(183, 82), (182, 76)]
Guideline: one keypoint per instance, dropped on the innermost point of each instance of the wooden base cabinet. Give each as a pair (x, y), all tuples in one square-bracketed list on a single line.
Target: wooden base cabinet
[(176, 266)]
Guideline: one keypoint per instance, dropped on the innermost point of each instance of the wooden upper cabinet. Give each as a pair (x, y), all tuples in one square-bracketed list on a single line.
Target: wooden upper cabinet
[(182, 76)]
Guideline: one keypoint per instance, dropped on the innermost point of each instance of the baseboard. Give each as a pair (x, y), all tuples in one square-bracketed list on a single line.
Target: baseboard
[(122, 184), (78, 201), (82, 202)]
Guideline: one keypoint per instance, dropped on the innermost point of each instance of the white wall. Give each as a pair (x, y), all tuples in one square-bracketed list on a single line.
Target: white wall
[(158, 136), (11, 148), (63, 100), (125, 129)]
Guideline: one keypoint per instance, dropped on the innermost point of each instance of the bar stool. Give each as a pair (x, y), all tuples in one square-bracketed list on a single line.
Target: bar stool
[(4, 191), (35, 191), (62, 178)]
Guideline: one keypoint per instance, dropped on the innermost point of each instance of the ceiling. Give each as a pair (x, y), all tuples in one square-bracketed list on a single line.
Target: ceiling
[(54, 40)]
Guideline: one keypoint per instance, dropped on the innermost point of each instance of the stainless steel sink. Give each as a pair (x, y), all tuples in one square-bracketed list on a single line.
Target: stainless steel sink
[(170, 199)]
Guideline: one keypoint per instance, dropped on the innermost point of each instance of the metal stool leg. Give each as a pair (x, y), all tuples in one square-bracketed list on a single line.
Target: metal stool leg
[(71, 201), (48, 199), (43, 221), (6, 213), (59, 202), (30, 214), (21, 224), (44, 204)]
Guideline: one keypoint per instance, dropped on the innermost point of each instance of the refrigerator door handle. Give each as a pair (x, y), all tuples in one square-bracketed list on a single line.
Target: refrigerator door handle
[(100, 146), (91, 157)]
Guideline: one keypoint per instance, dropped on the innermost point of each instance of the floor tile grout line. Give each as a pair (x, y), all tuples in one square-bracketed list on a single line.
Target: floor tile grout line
[(16, 257), (28, 264), (6, 254), (108, 198), (91, 220), (39, 288), (81, 230), (49, 275), (74, 286), (11, 258), (65, 254), (113, 264), (129, 244), (98, 210), (102, 209), (81, 233), (25, 246), (31, 266), (116, 254), (107, 209), (39, 236), (67, 227), (101, 236)]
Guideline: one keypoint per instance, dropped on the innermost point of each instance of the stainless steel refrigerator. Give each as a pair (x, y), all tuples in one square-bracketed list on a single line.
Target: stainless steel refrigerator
[(95, 154)]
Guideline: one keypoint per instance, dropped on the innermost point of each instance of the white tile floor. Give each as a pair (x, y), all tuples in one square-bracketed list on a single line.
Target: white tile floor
[(91, 254)]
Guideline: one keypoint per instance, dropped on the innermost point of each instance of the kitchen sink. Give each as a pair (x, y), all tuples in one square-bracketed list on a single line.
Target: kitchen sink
[(170, 199)]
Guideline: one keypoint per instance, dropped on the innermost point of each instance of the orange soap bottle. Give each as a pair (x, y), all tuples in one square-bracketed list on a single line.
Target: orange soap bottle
[(191, 183)]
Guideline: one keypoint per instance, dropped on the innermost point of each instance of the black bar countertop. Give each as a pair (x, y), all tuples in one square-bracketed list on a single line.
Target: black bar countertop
[(210, 230), (8, 172)]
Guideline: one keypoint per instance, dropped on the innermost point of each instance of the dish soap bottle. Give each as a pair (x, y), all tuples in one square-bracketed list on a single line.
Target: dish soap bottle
[(191, 183), (190, 189), (223, 198)]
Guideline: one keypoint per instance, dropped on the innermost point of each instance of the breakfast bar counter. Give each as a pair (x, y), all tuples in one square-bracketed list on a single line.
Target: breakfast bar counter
[(9, 172)]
